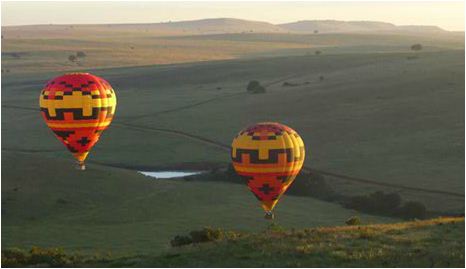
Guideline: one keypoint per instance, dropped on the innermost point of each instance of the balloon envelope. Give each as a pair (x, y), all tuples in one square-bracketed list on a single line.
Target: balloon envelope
[(269, 156), (78, 107)]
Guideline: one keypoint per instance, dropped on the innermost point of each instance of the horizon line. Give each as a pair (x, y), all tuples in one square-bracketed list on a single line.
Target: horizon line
[(217, 18)]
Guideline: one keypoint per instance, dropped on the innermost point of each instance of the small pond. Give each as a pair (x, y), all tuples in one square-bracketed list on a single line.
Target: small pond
[(170, 174)]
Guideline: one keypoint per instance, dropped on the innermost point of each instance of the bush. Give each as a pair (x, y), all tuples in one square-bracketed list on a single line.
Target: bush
[(181, 240), (52, 256), (416, 47), (411, 210), (318, 52), (72, 58), (321, 78), (388, 204), (289, 84), (354, 220), (312, 184), (207, 234), (13, 257), (377, 202), (80, 54), (255, 87), (42, 257)]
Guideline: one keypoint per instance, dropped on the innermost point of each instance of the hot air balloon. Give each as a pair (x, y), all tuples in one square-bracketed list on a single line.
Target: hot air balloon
[(269, 156), (78, 107)]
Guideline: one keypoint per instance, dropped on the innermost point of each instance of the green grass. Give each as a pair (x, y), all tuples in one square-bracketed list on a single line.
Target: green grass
[(376, 116), (430, 243), (382, 116), (48, 203)]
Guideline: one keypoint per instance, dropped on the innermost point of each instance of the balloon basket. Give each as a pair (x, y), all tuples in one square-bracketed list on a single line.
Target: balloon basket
[(81, 166), (269, 215)]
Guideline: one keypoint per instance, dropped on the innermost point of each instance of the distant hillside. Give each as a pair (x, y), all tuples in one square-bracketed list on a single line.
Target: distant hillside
[(333, 26), (223, 25), (210, 26), (195, 27)]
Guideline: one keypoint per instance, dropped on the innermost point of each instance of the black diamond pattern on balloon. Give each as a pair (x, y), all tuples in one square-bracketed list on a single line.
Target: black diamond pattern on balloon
[(266, 189), (83, 141)]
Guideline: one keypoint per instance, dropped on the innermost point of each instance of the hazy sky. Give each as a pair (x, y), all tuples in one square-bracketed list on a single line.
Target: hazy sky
[(448, 15)]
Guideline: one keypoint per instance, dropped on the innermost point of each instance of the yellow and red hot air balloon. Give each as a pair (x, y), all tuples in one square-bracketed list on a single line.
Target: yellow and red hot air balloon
[(269, 156), (78, 107)]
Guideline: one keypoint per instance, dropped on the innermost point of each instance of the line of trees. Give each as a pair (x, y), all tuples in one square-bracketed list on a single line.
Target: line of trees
[(315, 185)]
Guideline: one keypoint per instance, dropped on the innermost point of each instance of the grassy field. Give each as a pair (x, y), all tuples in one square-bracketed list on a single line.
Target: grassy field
[(47, 48), (430, 243), (377, 116), (380, 112), (433, 243), (48, 203)]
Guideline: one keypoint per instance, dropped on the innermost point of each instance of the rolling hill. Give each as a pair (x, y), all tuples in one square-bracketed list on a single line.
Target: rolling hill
[(46, 202), (430, 243), (366, 106), (334, 26)]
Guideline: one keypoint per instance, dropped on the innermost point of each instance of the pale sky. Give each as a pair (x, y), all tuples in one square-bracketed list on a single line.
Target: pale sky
[(447, 15)]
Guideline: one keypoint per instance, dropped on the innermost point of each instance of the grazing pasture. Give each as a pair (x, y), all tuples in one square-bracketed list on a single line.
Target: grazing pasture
[(366, 106)]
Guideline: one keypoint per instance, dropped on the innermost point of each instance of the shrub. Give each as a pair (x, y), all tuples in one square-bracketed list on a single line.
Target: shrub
[(181, 240), (316, 31), (255, 87), (13, 257), (416, 47), (51, 256), (312, 184), (321, 78), (206, 235), (318, 52), (80, 54), (37, 256), (354, 220), (72, 58), (388, 204), (412, 210), (377, 202), (289, 84)]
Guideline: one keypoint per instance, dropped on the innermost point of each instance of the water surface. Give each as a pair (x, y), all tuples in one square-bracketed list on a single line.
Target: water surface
[(170, 174)]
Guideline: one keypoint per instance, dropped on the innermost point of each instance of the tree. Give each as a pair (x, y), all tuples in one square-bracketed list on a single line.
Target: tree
[(72, 58), (80, 54), (255, 87), (416, 47), (318, 52), (316, 31)]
